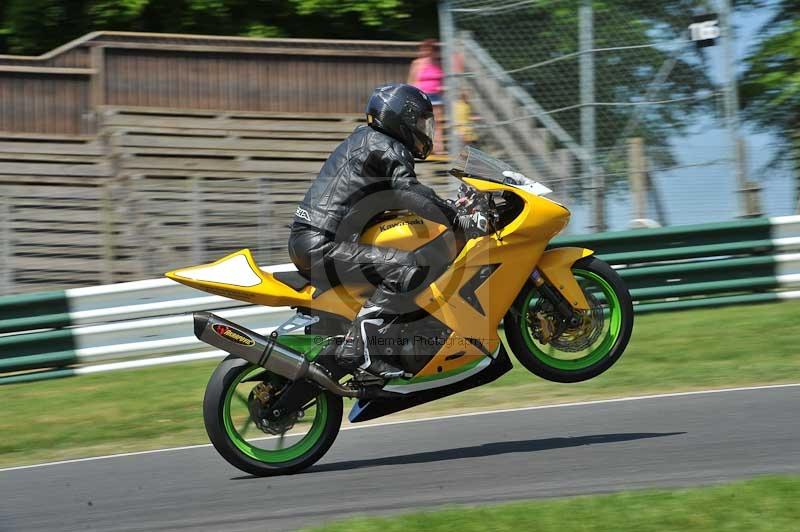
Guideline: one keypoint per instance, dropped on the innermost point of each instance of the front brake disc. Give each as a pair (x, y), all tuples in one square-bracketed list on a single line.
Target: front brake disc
[(586, 333)]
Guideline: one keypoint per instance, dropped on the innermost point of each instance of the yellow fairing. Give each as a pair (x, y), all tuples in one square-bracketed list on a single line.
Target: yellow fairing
[(238, 277), (456, 352), (407, 232), (515, 252), (556, 266)]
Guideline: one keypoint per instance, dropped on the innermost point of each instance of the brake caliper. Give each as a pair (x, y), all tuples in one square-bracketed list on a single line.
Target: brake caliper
[(546, 328), (259, 404), (263, 392)]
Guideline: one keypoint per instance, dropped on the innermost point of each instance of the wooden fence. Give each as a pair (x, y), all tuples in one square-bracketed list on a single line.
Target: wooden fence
[(117, 162), (157, 189), (61, 92)]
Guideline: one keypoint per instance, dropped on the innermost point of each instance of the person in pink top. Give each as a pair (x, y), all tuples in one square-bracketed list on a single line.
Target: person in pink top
[(427, 75)]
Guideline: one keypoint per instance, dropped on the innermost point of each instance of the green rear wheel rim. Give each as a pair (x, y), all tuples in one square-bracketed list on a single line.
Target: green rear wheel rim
[(287, 454), (600, 351)]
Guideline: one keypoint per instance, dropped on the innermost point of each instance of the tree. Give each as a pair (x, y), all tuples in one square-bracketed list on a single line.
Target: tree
[(537, 43), (36, 26), (770, 84)]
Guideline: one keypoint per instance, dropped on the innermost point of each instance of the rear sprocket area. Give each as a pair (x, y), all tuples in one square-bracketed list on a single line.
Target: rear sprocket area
[(261, 397)]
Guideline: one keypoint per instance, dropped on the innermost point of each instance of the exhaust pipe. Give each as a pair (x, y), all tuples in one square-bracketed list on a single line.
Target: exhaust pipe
[(264, 351)]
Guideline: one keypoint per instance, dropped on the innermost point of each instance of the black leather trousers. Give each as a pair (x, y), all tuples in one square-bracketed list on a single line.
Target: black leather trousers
[(395, 273)]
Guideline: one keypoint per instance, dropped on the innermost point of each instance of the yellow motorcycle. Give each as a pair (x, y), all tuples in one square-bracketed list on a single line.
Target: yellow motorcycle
[(275, 405)]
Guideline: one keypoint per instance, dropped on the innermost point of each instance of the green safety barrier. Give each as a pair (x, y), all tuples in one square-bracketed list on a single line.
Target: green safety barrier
[(666, 269), (34, 311)]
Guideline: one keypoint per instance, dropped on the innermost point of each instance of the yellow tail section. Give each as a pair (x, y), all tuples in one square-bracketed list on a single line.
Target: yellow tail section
[(237, 276)]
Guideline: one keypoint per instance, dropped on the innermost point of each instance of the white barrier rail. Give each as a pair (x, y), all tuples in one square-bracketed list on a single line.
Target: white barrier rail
[(146, 323)]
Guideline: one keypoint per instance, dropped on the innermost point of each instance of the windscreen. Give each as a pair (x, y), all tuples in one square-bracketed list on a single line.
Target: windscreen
[(474, 162)]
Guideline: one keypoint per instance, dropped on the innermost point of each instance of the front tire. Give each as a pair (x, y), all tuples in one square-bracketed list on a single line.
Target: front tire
[(227, 430), (560, 360)]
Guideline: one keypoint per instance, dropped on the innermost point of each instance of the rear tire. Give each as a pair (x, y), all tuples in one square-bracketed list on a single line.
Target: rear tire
[(244, 455), (544, 361)]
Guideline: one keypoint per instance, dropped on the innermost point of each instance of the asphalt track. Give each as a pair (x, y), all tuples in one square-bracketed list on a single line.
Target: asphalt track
[(665, 441)]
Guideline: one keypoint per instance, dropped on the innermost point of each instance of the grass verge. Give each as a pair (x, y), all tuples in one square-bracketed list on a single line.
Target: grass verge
[(157, 407), (767, 504)]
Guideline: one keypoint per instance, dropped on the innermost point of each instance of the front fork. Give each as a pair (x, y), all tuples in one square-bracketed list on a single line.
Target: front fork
[(554, 279), (561, 305)]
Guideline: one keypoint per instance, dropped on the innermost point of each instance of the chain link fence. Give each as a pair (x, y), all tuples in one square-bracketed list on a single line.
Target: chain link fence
[(610, 103)]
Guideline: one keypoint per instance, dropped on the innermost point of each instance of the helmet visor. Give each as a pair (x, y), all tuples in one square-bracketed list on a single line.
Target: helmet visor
[(427, 125), (423, 139)]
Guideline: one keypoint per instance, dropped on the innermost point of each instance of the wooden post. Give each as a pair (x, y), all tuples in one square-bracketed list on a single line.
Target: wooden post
[(658, 203), (796, 146), (107, 223), (750, 189), (6, 274), (107, 200), (265, 221), (198, 240), (135, 230), (97, 87), (637, 169)]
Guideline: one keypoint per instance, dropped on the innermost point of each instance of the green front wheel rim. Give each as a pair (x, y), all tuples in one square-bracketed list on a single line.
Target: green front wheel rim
[(288, 454), (599, 352)]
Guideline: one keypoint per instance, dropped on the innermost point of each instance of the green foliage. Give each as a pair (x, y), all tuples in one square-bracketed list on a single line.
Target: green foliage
[(262, 31), (115, 13), (370, 12), (770, 85), (36, 26)]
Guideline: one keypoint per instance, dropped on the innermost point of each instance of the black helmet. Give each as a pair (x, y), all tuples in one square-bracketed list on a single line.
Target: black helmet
[(405, 113)]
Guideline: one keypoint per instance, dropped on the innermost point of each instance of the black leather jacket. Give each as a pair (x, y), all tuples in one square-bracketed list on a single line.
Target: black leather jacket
[(368, 173)]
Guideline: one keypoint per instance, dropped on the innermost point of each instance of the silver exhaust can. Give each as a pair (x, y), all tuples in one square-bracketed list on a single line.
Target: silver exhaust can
[(251, 346)]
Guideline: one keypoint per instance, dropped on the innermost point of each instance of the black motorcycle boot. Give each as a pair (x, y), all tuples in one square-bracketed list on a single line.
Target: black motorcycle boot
[(353, 353)]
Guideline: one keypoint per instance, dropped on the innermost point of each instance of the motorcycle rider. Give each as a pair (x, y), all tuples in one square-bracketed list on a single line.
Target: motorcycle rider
[(370, 172)]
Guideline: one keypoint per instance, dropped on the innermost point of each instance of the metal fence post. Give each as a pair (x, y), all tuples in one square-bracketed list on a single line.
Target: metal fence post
[(451, 95), (747, 191), (586, 65)]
